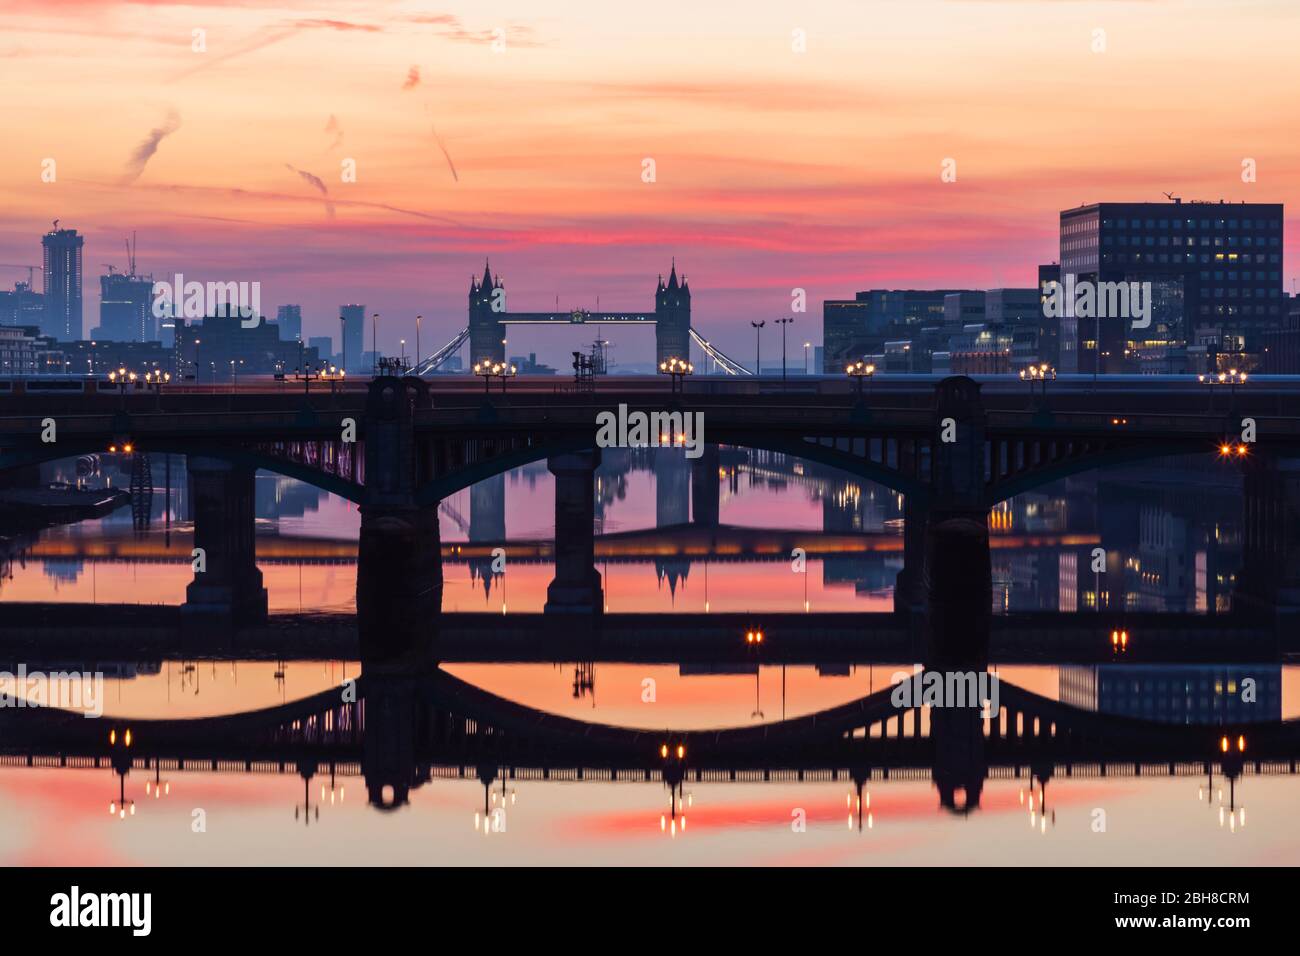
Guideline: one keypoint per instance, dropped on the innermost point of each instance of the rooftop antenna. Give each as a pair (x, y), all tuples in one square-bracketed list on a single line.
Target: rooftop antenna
[(1172, 198), (56, 225)]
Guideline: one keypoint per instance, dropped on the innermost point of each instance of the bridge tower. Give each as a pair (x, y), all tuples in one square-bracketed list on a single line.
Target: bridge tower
[(672, 318), (486, 332)]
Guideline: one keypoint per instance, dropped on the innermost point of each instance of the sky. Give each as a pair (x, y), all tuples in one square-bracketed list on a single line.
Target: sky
[(794, 146)]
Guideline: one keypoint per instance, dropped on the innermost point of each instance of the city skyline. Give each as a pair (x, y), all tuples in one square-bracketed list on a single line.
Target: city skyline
[(819, 170)]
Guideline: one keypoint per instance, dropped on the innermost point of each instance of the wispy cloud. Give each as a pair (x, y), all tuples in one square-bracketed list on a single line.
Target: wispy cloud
[(275, 34), (316, 183), (144, 152), (334, 127), (412, 78)]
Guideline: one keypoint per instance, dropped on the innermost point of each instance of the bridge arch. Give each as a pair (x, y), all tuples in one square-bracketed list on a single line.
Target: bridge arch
[(859, 466), (1016, 484), (334, 484)]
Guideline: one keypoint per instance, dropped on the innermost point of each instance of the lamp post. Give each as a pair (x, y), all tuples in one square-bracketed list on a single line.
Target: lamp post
[(758, 346), (418, 318), (1231, 378), (490, 370), (374, 341), (807, 369), (859, 370), (783, 323), (1037, 373), (677, 370)]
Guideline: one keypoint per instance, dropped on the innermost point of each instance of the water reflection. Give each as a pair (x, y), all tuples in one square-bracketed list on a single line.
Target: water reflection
[(733, 760), (1170, 535)]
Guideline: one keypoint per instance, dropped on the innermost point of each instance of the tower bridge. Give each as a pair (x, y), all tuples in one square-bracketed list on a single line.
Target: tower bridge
[(489, 319)]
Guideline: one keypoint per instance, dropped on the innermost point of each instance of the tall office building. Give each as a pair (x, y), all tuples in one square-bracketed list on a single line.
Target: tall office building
[(126, 309), (353, 318), (62, 252), (1208, 264), (289, 319)]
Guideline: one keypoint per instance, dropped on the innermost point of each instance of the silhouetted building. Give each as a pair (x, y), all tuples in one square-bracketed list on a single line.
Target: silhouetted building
[(289, 320), (1281, 345), (852, 328), (224, 349), (62, 250), (324, 346), (125, 309), (22, 306), (353, 318)]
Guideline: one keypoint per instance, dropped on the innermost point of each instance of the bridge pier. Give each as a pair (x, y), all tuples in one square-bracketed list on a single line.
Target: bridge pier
[(228, 584), (399, 557), (958, 565), (1269, 583), (577, 587), (705, 491), (911, 591)]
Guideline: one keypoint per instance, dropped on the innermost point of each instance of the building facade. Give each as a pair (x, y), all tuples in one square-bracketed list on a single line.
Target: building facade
[(1206, 263)]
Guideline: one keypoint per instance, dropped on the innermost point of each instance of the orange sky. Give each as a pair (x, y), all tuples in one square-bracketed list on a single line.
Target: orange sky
[(775, 169)]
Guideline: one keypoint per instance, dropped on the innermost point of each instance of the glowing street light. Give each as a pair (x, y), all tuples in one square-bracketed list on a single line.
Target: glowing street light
[(490, 369), (859, 370), (677, 369), (1231, 378)]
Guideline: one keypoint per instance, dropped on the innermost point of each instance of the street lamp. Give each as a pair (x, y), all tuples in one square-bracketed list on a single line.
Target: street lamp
[(677, 369), (1231, 378), (374, 341), (1037, 374), (807, 369), (859, 370), (490, 369), (418, 318), (783, 323), (758, 346)]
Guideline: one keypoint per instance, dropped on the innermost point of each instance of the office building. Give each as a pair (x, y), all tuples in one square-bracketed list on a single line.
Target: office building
[(25, 351), (1207, 263), (62, 257)]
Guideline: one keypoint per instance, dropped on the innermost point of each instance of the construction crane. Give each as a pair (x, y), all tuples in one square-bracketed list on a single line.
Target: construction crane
[(30, 270)]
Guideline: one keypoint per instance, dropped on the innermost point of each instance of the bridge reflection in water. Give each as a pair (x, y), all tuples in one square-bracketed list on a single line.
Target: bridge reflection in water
[(398, 728)]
